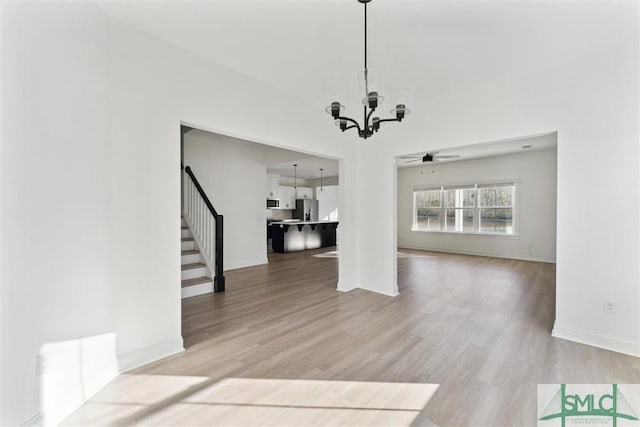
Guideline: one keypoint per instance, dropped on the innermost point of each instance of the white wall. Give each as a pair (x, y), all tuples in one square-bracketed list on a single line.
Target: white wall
[(329, 180), (328, 199), (585, 87), (56, 188), (535, 173), (233, 174), (91, 181), (289, 181), (151, 94)]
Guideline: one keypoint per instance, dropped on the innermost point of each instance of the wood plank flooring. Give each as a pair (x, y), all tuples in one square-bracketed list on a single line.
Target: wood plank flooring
[(283, 347)]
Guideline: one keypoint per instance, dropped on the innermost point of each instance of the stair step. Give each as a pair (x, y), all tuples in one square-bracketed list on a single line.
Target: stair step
[(187, 239), (196, 281), (184, 228), (193, 265), (190, 252)]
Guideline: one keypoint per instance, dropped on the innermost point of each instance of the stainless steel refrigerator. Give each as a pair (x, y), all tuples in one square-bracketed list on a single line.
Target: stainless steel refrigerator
[(306, 210)]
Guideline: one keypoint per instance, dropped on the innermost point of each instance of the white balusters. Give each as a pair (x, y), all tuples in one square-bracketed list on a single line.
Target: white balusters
[(200, 220)]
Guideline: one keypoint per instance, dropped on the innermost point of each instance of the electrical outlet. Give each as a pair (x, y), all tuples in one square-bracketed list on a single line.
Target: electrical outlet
[(610, 307)]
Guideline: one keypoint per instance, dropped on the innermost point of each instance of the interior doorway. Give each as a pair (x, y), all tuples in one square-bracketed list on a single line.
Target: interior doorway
[(493, 199), (280, 209)]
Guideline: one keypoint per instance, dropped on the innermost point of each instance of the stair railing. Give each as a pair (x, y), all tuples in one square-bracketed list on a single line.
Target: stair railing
[(207, 226)]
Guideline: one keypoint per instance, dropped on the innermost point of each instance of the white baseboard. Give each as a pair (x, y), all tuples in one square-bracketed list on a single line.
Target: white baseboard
[(608, 343), (35, 421), (547, 259), (143, 356), (346, 288), (70, 372), (388, 294), (58, 360), (247, 263)]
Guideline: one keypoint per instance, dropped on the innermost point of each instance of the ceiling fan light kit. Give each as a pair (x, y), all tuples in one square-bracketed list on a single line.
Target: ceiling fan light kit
[(371, 102)]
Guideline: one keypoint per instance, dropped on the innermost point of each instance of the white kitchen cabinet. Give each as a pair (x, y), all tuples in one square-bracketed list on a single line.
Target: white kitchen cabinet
[(273, 184), (305, 193), (287, 197)]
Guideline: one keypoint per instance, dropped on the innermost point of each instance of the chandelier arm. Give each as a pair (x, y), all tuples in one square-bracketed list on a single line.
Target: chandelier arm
[(388, 120), (350, 127), (350, 120), (366, 123)]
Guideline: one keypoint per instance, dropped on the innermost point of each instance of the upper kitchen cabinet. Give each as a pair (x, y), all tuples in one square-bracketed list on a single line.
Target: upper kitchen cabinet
[(273, 183), (304, 193), (287, 197)]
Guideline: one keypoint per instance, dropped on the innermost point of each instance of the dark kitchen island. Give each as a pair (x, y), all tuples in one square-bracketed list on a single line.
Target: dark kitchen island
[(302, 235)]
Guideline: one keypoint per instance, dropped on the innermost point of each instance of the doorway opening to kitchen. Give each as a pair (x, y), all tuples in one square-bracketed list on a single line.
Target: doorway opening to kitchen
[(280, 210), (302, 203)]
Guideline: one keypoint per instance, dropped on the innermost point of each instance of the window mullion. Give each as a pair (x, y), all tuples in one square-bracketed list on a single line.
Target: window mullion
[(442, 210), (476, 211)]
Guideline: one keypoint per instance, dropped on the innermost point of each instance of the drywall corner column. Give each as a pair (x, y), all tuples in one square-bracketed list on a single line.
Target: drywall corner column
[(145, 211), (377, 266), (597, 243), (348, 226)]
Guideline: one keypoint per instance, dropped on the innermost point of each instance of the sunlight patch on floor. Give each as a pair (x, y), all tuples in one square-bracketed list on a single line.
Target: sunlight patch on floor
[(314, 393), (330, 254), (180, 400), (129, 394)]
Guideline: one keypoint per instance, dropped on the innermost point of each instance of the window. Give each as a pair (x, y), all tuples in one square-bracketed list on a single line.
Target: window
[(476, 208), (458, 208), (428, 207), (495, 206)]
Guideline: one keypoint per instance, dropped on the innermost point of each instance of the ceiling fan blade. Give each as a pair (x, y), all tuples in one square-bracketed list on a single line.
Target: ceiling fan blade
[(447, 157), (410, 157), (412, 161)]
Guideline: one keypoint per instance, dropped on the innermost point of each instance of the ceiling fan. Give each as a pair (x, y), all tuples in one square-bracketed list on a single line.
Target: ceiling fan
[(429, 157)]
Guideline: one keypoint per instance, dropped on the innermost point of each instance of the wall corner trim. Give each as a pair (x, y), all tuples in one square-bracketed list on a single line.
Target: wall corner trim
[(595, 340), (346, 287), (145, 355), (394, 293)]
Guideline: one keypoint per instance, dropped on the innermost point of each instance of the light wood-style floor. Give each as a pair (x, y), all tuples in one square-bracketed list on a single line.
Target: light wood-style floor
[(283, 347)]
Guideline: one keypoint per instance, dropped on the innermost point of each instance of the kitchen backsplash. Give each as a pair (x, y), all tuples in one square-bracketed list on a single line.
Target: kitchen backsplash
[(279, 213)]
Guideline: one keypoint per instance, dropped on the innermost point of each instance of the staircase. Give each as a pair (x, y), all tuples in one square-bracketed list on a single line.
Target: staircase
[(196, 276)]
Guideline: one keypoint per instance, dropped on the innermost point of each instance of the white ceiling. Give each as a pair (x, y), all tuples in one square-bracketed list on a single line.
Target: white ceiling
[(487, 149), (312, 49), (434, 54), (280, 161), (308, 167)]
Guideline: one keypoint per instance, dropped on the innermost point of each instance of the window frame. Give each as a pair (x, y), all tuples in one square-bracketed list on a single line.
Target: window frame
[(415, 210), (476, 208)]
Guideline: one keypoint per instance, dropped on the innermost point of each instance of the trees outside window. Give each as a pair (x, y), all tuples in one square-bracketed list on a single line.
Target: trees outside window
[(476, 208)]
